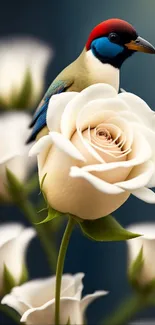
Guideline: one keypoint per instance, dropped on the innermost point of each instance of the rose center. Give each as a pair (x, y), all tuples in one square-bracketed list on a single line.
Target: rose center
[(104, 134)]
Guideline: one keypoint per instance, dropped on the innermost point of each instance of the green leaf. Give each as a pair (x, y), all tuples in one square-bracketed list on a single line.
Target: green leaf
[(14, 187), (8, 279), (136, 267), (105, 229), (52, 214), (68, 323), (25, 275)]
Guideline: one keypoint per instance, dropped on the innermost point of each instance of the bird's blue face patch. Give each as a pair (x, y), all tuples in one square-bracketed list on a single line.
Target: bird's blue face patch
[(105, 48)]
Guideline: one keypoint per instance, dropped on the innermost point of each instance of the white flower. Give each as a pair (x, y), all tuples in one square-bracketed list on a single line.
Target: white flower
[(100, 149), (13, 150), (35, 300), (17, 57), (147, 244), (14, 240)]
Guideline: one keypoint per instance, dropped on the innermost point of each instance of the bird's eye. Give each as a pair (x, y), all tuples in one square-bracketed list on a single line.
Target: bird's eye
[(113, 37)]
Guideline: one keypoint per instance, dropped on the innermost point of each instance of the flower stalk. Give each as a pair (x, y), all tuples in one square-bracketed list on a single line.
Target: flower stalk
[(60, 266)]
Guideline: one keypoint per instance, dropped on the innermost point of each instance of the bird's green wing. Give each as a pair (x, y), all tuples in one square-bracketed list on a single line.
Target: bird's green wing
[(39, 118)]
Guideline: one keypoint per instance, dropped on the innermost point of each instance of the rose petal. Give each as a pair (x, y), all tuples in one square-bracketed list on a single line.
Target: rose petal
[(138, 156), (69, 308), (140, 108), (18, 56), (56, 107), (147, 244), (90, 298), (72, 110), (98, 111), (139, 177), (9, 231), (75, 286), (40, 145), (13, 151), (145, 194), (13, 253), (29, 293), (99, 184), (14, 303), (147, 229), (65, 145), (146, 132)]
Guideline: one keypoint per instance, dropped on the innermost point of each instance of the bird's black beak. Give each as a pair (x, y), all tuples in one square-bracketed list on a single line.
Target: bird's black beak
[(141, 45)]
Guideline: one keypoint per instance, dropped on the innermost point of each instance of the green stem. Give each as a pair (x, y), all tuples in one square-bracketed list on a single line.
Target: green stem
[(60, 266), (126, 311), (10, 313), (28, 210)]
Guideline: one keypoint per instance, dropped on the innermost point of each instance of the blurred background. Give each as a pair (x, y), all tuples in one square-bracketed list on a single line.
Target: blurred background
[(65, 26)]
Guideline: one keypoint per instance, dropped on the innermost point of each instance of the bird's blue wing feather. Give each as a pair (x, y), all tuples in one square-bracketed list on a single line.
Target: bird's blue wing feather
[(39, 119)]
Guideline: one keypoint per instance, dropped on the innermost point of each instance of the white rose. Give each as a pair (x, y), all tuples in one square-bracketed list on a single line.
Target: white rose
[(147, 244), (17, 57), (99, 150), (14, 241), (13, 150), (35, 300)]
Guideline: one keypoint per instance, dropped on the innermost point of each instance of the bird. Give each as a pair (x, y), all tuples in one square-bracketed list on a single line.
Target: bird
[(109, 44)]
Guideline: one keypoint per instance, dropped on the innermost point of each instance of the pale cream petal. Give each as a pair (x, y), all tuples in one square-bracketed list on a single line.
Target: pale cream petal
[(90, 298), (147, 243), (86, 148), (66, 146), (130, 117), (11, 125), (85, 200), (151, 182), (13, 254), (15, 303), (13, 150), (145, 194), (69, 308), (149, 134), (56, 107), (138, 156), (99, 184), (74, 287), (147, 229), (72, 110), (8, 157), (9, 231), (140, 108), (29, 293), (139, 177), (40, 145), (96, 112), (19, 55), (125, 128)]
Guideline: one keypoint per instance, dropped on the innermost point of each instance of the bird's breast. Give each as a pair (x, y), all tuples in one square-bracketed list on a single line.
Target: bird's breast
[(101, 72)]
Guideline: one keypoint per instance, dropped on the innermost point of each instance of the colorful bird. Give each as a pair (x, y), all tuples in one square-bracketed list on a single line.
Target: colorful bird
[(109, 44)]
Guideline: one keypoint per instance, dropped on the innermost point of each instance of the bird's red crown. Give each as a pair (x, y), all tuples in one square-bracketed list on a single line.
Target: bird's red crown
[(109, 26)]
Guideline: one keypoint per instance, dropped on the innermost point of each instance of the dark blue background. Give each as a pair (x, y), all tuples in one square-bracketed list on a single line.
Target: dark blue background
[(65, 25)]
